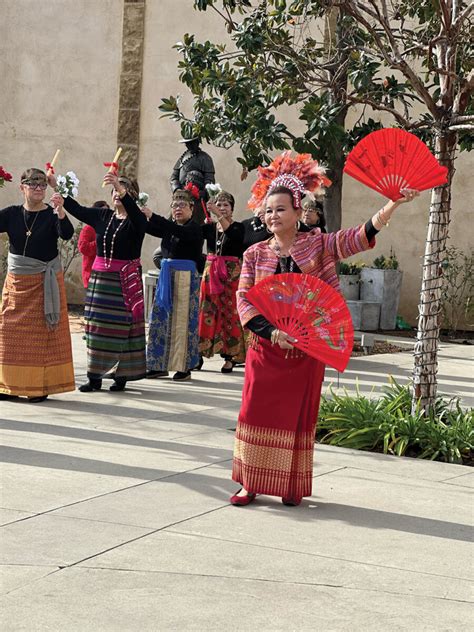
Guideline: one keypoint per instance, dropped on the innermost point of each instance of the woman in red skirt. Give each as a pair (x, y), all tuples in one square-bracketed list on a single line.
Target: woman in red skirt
[(274, 442), (219, 325)]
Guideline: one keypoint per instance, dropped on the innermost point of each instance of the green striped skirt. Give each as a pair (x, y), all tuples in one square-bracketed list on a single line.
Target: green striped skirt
[(115, 344)]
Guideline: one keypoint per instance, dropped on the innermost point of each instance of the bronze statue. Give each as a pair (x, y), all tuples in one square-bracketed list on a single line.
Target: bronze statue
[(197, 167)]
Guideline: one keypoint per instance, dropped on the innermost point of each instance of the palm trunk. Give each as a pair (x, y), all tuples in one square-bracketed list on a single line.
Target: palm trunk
[(429, 320)]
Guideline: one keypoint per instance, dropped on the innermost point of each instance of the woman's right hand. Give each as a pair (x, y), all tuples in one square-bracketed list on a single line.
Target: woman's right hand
[(147, 212), (211, 206)]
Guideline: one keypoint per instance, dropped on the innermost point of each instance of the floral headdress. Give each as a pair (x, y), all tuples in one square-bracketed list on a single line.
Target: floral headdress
[(302, 175)]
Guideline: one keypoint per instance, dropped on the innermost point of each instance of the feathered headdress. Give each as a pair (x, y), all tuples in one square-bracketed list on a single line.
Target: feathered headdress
[(302, 175)]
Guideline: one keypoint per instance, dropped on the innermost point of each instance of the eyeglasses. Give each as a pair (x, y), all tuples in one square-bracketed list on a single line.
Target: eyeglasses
[(179, 205), (42, 186)]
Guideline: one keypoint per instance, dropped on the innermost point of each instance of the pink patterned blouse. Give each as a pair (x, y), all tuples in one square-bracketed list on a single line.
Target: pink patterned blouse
[(315, 253)]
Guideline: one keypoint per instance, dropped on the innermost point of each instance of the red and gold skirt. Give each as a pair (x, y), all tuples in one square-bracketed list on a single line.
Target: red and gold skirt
[(274, 441)]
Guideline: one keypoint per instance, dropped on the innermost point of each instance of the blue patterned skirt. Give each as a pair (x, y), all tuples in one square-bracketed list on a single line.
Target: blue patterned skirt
[(173, 338)]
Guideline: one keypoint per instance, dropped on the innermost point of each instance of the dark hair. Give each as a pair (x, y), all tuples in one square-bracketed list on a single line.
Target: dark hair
[(226, 197), (131, 185), (33, 174), (282, 189), (100, 204)]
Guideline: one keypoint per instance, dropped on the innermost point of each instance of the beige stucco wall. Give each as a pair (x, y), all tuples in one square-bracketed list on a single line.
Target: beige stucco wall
[(61, 72)]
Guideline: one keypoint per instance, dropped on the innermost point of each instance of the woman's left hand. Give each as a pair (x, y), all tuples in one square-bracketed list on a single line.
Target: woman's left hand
[(57, 202), (408, 195)]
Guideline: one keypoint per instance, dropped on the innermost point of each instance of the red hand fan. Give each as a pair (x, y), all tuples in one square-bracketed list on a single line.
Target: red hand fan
[(309, 310), (391, 159)]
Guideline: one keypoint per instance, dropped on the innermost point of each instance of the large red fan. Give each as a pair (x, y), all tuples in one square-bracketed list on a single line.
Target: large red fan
[(391, 159), (309, 310)]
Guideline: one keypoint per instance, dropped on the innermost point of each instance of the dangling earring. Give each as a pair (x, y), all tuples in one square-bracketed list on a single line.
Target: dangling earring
[(298, 225)]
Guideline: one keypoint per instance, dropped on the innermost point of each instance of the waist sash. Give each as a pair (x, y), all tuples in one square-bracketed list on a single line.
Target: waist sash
[(218, 272), (18, 264), (130, 280), (163, 291)]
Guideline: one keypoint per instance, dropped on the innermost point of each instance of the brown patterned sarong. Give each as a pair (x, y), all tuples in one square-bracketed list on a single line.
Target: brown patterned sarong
[(34, 360)]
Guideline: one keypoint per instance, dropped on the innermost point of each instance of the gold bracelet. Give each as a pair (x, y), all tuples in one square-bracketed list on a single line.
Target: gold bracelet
[(122, 194), (379, 218)]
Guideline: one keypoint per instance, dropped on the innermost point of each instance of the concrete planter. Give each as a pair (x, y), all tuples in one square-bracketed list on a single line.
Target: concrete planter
[(350, 286), (365, 315), (382, 286)]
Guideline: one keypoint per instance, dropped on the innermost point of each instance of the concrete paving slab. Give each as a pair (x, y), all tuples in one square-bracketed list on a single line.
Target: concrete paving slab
[(12, 515), (156, 505), (419, 469), (84, 599), (58, 541), (464, 480), (39, 481), (360, 519), (170, 552), (13, 577)]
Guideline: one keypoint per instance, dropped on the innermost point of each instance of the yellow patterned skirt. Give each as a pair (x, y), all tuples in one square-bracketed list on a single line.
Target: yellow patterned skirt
[(274, 442)]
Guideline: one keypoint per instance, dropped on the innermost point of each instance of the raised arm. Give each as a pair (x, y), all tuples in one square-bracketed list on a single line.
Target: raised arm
[(159, 226)]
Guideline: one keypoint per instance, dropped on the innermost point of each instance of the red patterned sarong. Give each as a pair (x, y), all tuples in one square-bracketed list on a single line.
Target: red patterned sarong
[(220, 330), (274, 441)]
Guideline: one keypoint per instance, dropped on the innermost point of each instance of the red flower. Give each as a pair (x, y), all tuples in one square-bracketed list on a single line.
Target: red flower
[(5, 176), (192, 188)]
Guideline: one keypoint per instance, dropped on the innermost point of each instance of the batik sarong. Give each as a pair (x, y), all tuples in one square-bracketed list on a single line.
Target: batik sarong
[(35, 358), (220, 331), (173, 340), (115, 331), (274, 442)]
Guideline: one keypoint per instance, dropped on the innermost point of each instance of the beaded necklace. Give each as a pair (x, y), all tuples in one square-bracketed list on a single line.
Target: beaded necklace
[(104, 241)]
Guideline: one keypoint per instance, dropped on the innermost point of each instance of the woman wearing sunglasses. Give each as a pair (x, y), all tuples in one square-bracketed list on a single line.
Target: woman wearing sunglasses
[(35, 342)]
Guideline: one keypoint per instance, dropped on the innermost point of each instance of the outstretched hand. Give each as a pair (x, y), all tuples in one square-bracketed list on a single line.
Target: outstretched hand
[(57, 202), (408, 195), (111, 178), (146, 210)]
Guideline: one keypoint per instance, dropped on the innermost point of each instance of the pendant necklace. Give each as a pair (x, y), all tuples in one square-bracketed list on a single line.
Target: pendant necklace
[(287, 263), (29, 229), (220, 239), (108, 260)]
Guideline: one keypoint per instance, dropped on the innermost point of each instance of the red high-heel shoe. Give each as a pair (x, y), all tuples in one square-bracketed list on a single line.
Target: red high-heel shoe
[(242, 501)]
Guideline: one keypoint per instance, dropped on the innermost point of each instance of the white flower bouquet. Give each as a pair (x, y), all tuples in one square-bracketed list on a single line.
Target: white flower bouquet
[(68, 184), (213, 190), (143, 199)]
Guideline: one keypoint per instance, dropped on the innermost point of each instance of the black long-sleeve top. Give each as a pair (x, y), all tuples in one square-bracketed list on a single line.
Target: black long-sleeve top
[(229, 243), (45, 227), (128, 239), (178, 241), (259, 324)]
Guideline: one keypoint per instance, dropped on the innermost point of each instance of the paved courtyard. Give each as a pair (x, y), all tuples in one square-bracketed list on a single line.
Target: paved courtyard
[(115, 516)]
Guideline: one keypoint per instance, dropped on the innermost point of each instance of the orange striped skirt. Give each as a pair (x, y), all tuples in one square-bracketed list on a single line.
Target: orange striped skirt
[(34, 360)]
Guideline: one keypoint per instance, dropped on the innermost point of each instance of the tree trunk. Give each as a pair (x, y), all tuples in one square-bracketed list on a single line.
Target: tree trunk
[(335, 37), (429, 309)]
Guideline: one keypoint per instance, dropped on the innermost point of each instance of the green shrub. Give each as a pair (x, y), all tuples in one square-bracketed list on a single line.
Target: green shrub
[(350, 268), (386, 263), (388, 425)]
